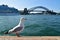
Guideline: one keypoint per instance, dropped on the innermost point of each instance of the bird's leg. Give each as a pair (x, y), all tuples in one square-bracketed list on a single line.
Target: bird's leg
[(18, 34)]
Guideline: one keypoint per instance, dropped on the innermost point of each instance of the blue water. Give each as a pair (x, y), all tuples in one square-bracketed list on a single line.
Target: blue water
[(36, 25)]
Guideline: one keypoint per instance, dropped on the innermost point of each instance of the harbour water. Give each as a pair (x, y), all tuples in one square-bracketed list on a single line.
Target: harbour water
[(35, 25)]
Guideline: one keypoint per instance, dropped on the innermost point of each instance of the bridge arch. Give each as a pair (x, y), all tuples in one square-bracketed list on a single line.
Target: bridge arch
[(33, 8)]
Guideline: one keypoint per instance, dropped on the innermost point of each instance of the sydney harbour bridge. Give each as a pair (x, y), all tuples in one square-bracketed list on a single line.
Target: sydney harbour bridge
[(33, 9)]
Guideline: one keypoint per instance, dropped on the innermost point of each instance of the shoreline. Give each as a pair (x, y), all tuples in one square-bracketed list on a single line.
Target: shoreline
[(30, 38)]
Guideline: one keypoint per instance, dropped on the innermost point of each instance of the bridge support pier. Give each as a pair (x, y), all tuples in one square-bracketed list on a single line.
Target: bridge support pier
[(25, 12)]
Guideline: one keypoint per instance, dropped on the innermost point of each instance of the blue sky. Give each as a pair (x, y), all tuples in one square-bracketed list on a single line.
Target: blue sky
[(21, 4)]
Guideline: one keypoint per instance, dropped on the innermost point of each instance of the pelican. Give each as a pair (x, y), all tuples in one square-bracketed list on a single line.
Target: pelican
[(17, 29)]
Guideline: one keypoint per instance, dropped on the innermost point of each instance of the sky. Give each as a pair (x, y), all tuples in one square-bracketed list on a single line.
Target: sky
[(21, 4)]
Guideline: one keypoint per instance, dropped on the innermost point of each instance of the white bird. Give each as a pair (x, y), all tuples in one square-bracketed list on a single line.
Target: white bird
[(17, 29)]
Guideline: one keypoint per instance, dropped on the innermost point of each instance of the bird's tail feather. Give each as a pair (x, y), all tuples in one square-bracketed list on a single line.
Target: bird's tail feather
[(6, 32)]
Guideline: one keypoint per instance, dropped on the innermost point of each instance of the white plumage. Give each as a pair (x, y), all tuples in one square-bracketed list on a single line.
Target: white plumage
[(17, 29)]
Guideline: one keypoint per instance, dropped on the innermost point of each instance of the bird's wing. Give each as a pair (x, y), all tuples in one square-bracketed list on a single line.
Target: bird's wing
[(15, 29), (18, 29), (11, 30)]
